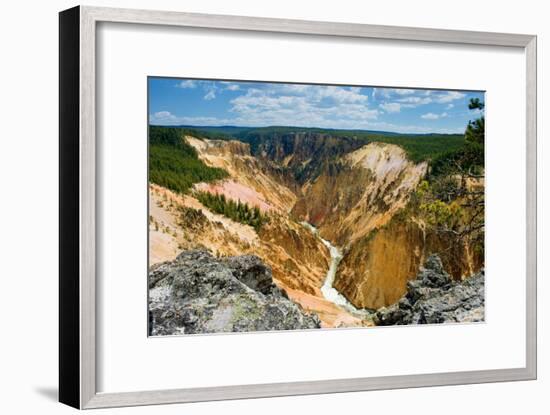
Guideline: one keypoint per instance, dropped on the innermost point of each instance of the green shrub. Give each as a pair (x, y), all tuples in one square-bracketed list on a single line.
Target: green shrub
[(235, 210)]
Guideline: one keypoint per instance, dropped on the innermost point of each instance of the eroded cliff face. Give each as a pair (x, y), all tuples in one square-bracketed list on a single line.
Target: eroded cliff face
[(250, 181), (356, 199), (358, 204), (361, 193), (303, 154), (376, 268), (299, 261)]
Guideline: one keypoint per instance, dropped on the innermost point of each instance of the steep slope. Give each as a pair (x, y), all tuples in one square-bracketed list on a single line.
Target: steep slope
[(360, 193), (248, 179), (303, 154), (178, 222), (376, 268), (297, 258), (359, 204), (357, 195), (299, 261)]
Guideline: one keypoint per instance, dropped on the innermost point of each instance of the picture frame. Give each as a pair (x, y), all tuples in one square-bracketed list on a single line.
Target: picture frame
[(78, 163)]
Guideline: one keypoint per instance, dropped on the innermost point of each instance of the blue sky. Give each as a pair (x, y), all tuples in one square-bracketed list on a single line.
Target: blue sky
[(257, 104)]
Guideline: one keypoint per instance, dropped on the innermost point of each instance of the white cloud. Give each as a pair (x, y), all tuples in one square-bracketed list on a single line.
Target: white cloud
[(341, 95), (432, 116), (167, 118), (448, 96), (403, 91), (301, 120), (391, 106), (414, 101), (317, 93), (389, 93), (412, 98), (211, 94), (162, 115), (429, 116), (209, 87), (186, 84), (304, 105), (449, 106), (292, 88), (316, 106)]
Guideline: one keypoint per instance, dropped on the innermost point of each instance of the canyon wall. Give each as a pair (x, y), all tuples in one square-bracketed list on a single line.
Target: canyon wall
[(359, 204), (356, 194), (360, 193), (375, 269), (299, 260)]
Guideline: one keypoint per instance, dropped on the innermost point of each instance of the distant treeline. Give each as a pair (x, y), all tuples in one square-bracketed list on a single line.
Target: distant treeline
[(426, 147), (174, 164), (470, 158), (419, 147), (180, 170), (235, 210)]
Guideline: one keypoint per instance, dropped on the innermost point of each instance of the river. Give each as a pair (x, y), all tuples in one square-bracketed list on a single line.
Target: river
[(328, 291)]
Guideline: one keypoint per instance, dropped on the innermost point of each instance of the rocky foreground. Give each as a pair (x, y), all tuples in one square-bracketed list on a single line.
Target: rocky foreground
[(433, 297), (199, 293)]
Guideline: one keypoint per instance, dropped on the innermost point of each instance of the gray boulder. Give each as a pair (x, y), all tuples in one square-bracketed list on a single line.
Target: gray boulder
[(250, 270), (198, 293), (433, 297)]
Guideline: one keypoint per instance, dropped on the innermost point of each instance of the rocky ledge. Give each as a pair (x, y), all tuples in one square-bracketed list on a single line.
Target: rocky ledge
[(433, 297), (198, 293)]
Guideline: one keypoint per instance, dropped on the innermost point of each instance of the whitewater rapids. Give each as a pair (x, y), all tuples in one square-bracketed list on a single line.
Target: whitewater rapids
[(328, 291)]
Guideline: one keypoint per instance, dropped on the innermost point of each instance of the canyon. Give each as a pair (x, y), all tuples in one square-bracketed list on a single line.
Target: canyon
[(342, 237)]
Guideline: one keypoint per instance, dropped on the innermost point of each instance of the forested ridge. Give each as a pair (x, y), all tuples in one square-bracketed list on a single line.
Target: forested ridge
[(419, 147), (174, 164)]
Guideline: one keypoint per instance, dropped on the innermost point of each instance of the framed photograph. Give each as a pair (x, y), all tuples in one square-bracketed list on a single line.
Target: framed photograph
[(255, 207)]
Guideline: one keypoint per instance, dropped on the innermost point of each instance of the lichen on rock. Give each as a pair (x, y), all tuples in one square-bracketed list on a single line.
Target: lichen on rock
[(433, 297), (198, 293)]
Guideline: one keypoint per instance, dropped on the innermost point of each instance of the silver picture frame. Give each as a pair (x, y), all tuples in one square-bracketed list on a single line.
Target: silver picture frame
[(77, 277)]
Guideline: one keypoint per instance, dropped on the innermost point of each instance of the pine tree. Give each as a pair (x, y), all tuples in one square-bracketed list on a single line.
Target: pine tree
[(475, 130)]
